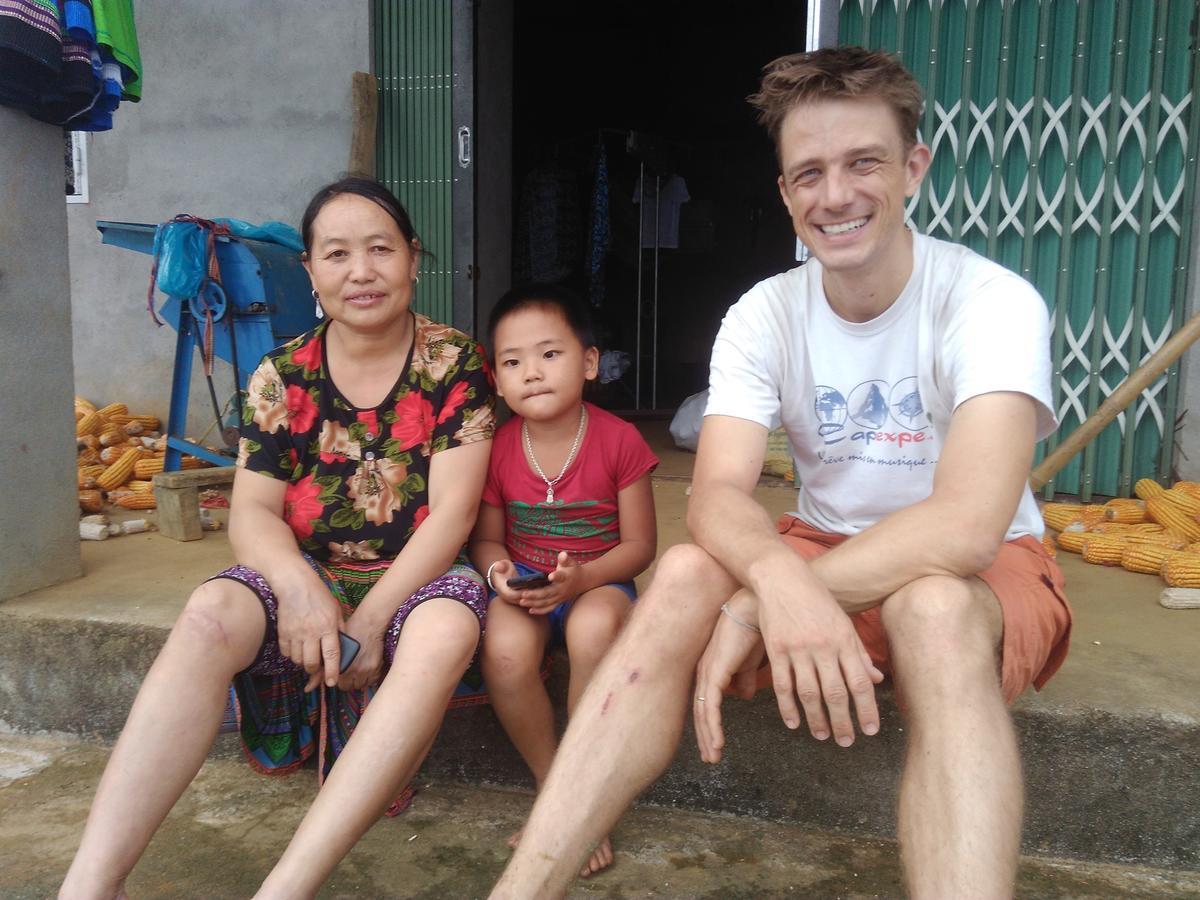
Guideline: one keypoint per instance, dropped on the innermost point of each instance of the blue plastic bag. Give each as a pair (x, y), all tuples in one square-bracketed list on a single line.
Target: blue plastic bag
[(181, 257), (273, 232)]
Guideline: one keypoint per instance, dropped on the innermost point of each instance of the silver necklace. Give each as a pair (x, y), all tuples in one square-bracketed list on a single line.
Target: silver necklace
[(570, 456)]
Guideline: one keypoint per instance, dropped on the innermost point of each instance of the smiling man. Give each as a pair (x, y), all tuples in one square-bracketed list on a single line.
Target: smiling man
[(913, 378)]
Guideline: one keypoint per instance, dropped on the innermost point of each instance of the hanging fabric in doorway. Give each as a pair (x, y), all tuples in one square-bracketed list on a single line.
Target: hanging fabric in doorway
[(599, 232), (670, 193)]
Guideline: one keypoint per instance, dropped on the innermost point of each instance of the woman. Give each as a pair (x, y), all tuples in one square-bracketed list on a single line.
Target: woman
[(364, 450)]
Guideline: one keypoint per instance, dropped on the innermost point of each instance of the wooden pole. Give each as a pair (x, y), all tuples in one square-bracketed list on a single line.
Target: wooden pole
[(362, 136), (1125, 394)]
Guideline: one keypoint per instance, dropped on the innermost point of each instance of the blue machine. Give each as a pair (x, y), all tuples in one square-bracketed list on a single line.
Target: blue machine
[(263, 301)]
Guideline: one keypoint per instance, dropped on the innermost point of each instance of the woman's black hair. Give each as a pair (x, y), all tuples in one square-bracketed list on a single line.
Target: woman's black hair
[(549, 296), (367, 188)]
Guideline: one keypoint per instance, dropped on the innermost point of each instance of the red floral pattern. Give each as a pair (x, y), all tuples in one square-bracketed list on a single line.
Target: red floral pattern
[(358, 479), (302, 506)]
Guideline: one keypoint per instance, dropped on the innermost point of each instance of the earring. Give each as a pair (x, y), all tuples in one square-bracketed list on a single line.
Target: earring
[(416, 278), (317, 299)]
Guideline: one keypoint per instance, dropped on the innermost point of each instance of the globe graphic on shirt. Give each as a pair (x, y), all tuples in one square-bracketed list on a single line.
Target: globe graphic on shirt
[(868, 405), (830, 407), (906, 407)]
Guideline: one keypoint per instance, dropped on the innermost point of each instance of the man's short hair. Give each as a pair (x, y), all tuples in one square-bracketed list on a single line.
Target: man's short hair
[(837, 73)]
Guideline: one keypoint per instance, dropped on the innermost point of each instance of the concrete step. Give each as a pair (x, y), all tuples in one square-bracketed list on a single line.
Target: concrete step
[(1111, 748), (231, 825)]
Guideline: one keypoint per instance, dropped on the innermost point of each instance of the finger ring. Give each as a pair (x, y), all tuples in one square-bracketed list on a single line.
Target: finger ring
[(699, 699)]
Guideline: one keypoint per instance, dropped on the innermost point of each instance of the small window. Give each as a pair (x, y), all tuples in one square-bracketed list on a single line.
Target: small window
[(75, 148)]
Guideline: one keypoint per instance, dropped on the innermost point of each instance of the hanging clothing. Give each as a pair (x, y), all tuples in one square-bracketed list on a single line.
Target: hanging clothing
[(69, 64), (670, 193), (600, 231), (549, 225)]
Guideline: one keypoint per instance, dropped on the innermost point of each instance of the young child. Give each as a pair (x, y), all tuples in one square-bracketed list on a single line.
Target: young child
[(567, 496)]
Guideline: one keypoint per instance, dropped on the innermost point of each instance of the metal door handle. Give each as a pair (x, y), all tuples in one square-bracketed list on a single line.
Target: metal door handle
[(464, 147)]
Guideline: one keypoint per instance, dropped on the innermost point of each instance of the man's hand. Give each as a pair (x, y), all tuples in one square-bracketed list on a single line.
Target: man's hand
[(729, 665), (816, 656), (565, 584)]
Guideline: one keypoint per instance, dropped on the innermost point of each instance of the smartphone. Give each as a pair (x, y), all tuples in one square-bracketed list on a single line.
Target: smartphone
[(536, 580), (349, 649)]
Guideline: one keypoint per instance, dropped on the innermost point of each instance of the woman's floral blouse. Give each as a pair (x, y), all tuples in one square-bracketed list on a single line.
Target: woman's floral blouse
[(358, 478)]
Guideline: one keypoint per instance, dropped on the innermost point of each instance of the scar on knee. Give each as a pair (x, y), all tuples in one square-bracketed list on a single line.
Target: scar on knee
[(634, 676), (604, 706)]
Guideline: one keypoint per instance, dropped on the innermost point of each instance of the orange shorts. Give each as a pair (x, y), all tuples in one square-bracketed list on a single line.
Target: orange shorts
[(1028, 584)]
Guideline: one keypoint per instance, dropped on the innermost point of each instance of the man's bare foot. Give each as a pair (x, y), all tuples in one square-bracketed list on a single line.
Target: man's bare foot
[(601, 859)]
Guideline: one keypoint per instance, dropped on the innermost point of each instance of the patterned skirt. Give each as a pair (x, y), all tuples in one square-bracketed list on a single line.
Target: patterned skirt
[(280, 725)]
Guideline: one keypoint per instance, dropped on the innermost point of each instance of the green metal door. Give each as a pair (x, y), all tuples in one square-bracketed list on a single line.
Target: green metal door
[(1064, 135), (423, 59)]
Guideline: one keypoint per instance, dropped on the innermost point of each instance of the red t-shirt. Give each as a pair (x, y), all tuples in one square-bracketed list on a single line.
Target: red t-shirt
[(583, 517)]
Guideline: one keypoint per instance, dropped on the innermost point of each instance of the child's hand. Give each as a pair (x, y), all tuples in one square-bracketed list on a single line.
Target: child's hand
[(565, 584), (501, 572)]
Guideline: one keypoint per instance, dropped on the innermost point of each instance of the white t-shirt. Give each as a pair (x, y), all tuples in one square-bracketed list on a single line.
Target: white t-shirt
[(672, 194), (867, 405)]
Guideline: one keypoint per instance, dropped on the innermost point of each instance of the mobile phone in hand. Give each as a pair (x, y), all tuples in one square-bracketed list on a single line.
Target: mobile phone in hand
[(349, 648), (536, 580)]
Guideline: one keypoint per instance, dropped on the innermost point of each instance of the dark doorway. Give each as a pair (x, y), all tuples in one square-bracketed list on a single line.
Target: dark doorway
[(674, 76)]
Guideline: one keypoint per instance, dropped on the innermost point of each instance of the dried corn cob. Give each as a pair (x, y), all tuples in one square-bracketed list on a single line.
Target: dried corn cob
[(1167, 514), (1071, 541), (137, 501), (120, 471), (1182, 570), (1110, 528), (113, 408), (1185, 501), (86, 406), (87, 476), (110, 455), (133, 428), (1103, 550), (112, 435), (1092, 515), (121, 419), (1059, 515), (146, 468), (91, 501), (1145, 558), (148, 423), (89, 424), (1049, 547), (1180, 598), (88, 457), (1130, 513), (1145, 488), (1188, 487), (141, 487)]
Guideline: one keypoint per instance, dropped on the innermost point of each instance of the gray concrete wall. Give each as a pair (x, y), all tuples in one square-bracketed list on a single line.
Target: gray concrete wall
[(39, 538), (245, 112)]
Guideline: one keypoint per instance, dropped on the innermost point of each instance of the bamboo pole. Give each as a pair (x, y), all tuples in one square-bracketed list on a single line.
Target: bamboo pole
[(1138, 380)]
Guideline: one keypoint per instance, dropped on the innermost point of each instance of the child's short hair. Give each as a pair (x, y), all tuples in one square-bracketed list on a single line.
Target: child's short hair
[(549, 296)]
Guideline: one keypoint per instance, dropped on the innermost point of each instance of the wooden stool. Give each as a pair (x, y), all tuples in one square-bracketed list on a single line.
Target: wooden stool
[(178, 496)]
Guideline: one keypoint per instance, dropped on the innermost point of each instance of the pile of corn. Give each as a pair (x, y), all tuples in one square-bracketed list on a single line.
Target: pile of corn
[(118, 455), (1157, 533)]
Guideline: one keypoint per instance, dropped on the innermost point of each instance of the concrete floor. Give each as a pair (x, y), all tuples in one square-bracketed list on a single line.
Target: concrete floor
[(1131, 662), (231, 825)]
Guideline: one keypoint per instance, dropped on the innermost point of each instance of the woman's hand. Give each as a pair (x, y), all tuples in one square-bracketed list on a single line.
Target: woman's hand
[(308, 625), (566, 583), (367, 669)]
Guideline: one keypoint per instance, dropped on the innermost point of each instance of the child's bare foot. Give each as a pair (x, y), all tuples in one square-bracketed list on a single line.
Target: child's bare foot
[(601, 859)]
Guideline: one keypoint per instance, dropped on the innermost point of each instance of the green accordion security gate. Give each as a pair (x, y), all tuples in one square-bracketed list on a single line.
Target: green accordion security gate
[(422, 52), (1064, 135)]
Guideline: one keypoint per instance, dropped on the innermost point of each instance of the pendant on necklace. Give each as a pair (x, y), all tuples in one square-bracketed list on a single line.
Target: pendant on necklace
[(549, 494)]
